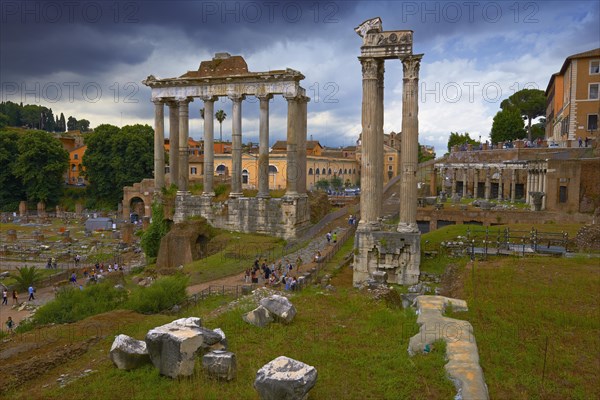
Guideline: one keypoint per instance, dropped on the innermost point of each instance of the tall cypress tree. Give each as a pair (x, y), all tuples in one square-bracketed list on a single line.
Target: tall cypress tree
[(63, 123)]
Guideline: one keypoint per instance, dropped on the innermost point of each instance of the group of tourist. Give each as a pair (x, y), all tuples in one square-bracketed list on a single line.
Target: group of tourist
[(99, 270), (273, 275)]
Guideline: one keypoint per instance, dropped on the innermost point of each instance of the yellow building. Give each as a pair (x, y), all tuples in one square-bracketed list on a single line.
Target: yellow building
[(573, 98), (75, 172)]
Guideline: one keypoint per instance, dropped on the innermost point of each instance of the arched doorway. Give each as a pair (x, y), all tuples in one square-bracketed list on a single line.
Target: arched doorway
[(137, 206)]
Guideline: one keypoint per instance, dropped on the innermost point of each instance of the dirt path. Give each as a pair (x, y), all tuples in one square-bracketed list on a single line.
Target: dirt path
[(42, 296)]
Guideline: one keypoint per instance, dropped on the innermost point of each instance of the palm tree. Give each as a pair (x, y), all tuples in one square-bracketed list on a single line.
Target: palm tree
[(27, 276), (220, 116)]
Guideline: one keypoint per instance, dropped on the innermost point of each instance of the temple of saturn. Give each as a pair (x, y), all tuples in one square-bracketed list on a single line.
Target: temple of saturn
[(395, 252), (228, 76)]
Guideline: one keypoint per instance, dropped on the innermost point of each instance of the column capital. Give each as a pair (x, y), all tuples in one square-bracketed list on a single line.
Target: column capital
[(264, 96), (303, 99), (292, 97), (159, 101), (183, 100), (236, 97), (411, 65), (207, 98), (370, 67)]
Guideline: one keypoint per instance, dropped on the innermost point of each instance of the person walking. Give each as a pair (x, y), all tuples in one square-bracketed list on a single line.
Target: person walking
[(15, 297), (4, 297), (31, 291), (10, 325), (328, 236), (334, 237)]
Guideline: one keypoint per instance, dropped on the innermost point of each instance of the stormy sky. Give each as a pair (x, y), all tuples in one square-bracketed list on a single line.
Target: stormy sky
[(87, 59)]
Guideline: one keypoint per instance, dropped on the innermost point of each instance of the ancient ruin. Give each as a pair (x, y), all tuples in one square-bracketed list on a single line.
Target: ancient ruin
[(227, 75), (397, 253)]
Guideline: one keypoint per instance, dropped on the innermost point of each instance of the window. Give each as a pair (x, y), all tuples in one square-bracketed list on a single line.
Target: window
[(345, 171), (594, 67), (310, 171), (76, 156), (390, 158), (272, 169), (221, 169), (592, 122), (317, 171), (390, 168), (593, 92), (329, 173), (562, 194), (323, 172), (245, 177), (194, 170)]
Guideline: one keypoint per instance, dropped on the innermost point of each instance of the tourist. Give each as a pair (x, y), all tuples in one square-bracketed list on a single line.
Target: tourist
[(4, 297), (294, 284), (15, 297), (328, 237), (350, 220), (298, 264), (587, 141), (317, 256), (73, 278), (288, 283), (110, 268), (335, 237), (31, 291), (10, 325), (253, 276), (247, 276), (580, 141)]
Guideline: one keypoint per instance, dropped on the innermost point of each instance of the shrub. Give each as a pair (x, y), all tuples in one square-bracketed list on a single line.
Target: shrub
[(155, 232), (27, 276), (72, 304), (163, 294)]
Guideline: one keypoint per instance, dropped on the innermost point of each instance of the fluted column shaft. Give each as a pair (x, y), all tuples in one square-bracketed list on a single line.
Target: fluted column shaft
[(528, 186), (453, 181), (236, 145), (183, 144), (380, 160), (500, 184), (488, 184), (409, 147), (263, 146), (209, 146), (433, 182), (475, 183), (302, 125), (159, 144), (291, 171), (370, 155), (174, 142), (513, 185), (465, 182)]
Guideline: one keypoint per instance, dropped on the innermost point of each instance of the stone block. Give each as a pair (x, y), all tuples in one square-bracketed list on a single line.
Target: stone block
[(380, 276), (260, 317), (220, 364), (172, 347), (285, 379), (280, 307), (128, 353)]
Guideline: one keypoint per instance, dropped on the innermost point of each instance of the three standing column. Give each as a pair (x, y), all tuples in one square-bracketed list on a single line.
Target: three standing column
[(409, 147), (159, 143)]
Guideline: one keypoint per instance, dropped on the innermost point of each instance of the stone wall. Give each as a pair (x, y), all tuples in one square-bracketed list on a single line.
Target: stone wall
[(285, 217), (500, 155)]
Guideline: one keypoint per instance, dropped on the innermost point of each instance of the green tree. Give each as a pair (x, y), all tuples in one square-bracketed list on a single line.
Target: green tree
[(13, 111), (4, 120), (156, 231), (31, 116), (40, 165), (11, 188), (422, 156), (322, 184), (458, 139), (531, 104), (336, 182), (508, 125), (62, 126), (116, 158), (83, 125), (71, 124), (220, 116)]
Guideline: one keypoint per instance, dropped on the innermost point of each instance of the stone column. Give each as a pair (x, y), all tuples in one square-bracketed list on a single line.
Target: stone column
[(528, 185), (174, 142), (433, 182), (381, 159), (513, 185), (263, 148), (453, 182), (291, 177), (488, 184), (236, 145), (369, 212), (159, 144), (543, 187), (209, 146), (465, 182), (409, 146), (302, 125), (182, 181), (475, 183), (500, 184)]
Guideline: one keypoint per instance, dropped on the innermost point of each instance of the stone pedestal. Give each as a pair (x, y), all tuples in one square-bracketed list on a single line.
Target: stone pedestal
[(22, 209), (79, 209), (397, 254), (127, 233)]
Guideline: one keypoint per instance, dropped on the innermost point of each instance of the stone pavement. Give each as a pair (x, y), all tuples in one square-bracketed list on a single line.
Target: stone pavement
[(461, 348)]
